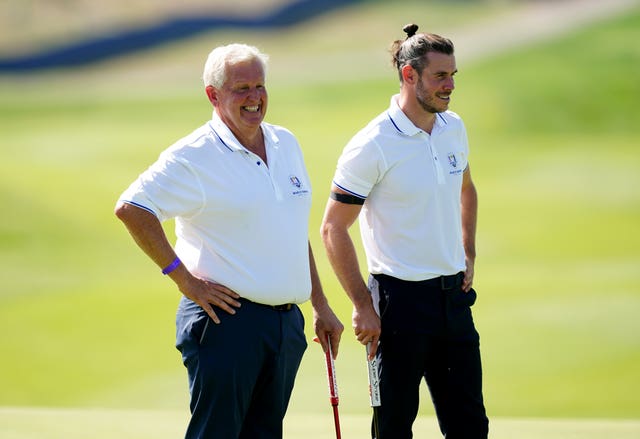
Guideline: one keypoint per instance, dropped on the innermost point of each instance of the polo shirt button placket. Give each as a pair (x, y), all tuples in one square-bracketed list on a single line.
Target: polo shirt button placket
[(269, 174), (436, 162)]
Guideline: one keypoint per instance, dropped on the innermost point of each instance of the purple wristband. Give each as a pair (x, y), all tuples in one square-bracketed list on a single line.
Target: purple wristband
[(172, 266)]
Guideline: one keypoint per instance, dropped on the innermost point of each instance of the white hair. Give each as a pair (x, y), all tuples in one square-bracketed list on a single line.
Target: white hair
[(215, 72)]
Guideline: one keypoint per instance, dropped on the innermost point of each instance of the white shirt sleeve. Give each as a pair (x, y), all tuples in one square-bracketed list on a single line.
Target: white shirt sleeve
[(168, 188), (359, 168)]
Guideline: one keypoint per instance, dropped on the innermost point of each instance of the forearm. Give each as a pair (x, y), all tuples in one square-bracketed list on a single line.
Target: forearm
[(318, 299), (147, 232), (344, 261), (149, 235), (469, 211), (343, 258), (325, 323)]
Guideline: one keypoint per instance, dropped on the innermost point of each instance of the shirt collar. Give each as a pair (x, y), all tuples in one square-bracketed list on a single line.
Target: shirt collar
[(403, 124), (228, 139)]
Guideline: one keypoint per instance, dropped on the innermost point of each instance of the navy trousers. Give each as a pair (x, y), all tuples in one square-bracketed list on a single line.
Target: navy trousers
[(241, 371), (428, 333)]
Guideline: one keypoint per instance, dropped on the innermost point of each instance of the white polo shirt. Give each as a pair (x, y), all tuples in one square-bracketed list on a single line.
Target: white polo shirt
[(411, 181), (238, 222)]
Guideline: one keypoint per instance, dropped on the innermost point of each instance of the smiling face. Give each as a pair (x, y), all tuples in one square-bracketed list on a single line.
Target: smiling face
[(434, 86), (241, 102)]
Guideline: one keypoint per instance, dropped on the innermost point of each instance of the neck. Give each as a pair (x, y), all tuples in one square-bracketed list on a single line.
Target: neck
[(421, 118), (255, 144), (426, 123)]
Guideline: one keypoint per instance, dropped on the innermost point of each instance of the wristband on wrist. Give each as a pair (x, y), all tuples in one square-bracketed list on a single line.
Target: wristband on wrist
[(172, 266)]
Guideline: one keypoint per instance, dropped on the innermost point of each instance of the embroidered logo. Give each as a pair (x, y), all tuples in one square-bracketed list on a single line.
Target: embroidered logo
[(452, 160), (297, 184), (453, 163), (295, 181)]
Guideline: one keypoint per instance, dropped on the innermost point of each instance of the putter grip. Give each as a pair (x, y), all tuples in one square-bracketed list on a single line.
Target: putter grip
[(331, 375), (374, 380)]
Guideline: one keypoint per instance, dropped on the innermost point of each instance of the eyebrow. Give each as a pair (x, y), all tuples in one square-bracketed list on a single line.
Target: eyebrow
[(445, 72), (239, 85)]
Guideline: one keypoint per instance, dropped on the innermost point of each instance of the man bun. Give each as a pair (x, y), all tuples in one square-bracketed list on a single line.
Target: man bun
[(410, 30)]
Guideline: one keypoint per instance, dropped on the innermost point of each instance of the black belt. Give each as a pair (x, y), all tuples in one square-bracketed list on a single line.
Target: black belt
[(283, 307), (449, 282), (444, 283)]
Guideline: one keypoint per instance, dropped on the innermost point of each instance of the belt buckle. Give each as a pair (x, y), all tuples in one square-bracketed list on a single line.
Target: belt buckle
[(448, 282), (284, 307)]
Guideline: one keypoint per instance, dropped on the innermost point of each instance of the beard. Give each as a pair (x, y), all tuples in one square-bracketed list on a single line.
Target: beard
[(426, 101)]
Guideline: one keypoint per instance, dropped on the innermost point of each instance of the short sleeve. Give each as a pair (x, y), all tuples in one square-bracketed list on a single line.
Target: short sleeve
[(359, 168), (168, 188)]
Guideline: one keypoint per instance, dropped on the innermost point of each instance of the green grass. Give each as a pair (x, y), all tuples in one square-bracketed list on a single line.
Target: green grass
[(87, 321), (18, 423)]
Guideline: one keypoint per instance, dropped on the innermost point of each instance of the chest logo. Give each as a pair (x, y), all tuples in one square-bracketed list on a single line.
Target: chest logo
[(453, 162), (454, 165), (295, 181), (297, 184)]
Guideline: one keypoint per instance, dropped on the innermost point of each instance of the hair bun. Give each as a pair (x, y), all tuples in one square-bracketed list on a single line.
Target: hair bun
[(410, 29)]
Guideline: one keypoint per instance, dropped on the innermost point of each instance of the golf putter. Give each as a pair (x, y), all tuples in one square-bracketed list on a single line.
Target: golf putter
[(374, 390), (333, 386)]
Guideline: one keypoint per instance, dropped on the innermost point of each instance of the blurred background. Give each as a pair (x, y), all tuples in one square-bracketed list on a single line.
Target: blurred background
[(91, 93)]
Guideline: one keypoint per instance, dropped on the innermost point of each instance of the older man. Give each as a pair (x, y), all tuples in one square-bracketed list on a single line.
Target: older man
[(240, 195)]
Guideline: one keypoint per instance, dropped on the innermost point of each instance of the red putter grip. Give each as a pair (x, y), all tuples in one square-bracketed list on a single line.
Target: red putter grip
[(331, 374), (333, 386)]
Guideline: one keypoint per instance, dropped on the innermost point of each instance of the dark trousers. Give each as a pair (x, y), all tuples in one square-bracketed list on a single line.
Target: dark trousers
[(428, 332), (241, 371)]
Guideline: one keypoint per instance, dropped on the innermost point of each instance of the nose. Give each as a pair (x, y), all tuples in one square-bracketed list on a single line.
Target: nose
[(256, 93), (450, 83)]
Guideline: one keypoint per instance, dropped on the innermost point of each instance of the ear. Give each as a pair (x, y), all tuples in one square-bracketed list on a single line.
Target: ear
[(212, 94), (409, 75)]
